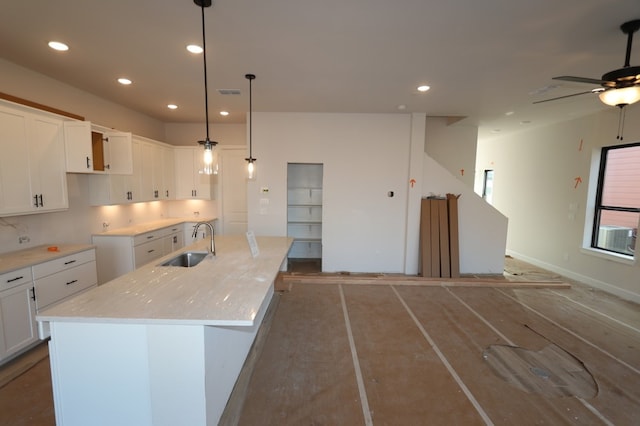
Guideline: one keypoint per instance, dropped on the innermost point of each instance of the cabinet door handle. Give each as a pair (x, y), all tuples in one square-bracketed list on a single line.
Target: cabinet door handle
[(70, 262), (33, 293), (88, 165), (72, 282), (15, 279), (151, 251), (41, 202), (35, 198), (167, 192), (107, 166)]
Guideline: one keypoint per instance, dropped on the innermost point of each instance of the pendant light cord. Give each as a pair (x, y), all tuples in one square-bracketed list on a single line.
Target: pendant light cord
[(206, 91), (250, 119)]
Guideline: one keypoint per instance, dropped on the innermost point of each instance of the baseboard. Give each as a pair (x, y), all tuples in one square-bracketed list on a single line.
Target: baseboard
[(601, 285)]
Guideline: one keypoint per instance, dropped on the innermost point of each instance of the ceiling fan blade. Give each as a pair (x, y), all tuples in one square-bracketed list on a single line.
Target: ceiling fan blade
[(579, 79), (565, 96)]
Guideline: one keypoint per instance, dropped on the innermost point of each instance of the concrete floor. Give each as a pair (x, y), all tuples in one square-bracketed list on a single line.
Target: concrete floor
[(410, 354)]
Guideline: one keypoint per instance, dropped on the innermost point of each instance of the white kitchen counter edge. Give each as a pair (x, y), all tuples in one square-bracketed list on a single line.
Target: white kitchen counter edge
[(237, 287)]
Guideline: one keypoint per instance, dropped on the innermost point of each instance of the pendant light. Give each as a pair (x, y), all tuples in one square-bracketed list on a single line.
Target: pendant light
[(251, 170), (209, 145)]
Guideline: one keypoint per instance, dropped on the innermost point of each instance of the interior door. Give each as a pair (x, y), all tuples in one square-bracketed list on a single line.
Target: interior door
[(233, 188)]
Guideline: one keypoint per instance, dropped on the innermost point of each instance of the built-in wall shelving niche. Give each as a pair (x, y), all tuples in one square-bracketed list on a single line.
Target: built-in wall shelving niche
[(304, 210)]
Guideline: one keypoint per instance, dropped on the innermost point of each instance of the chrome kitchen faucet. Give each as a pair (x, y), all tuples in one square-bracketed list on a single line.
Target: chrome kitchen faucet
[(212, 249)]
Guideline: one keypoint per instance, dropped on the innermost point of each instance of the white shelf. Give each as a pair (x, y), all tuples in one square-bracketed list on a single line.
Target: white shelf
[(304, 210)]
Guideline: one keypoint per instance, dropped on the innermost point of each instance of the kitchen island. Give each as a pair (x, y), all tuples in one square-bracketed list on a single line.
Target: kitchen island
[(162, 345)]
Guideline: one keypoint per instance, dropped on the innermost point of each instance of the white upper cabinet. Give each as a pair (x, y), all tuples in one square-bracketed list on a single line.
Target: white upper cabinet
[(32, 165), (191, 181), (89, 149), (118, 153), (153, 187), (169, 172), (77, 146)]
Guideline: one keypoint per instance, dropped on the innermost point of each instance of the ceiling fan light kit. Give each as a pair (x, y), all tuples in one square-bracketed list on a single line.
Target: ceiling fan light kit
[(619, 87), (620, 97)]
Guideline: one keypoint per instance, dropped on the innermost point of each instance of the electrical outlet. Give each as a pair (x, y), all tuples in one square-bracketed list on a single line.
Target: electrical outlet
[(24, 239)]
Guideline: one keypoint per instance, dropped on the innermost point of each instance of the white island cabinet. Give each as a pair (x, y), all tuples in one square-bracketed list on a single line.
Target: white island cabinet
[(162, 345)]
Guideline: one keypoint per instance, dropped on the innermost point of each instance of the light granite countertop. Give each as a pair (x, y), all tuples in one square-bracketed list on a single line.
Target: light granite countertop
[(141, 228), (227, 290), (32, 256)]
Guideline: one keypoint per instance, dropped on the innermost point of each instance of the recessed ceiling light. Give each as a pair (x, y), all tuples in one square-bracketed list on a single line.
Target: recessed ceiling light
[(194, 48), (495, 131), (57, 45), (225, 113), (423, 88), (525, 122), (508, 113), (124, 81), (402, 107), (172, 106)]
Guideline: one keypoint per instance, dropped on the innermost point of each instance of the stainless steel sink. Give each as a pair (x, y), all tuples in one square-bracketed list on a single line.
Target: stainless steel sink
[(187, 259)]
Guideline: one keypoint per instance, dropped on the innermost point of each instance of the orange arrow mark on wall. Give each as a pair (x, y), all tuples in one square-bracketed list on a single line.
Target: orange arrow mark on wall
[(412, 182), (578, 181)]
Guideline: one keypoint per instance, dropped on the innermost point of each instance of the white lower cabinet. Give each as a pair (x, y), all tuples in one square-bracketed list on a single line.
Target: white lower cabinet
[(18, 328), (61, 278), (120, 254), (28, 290)]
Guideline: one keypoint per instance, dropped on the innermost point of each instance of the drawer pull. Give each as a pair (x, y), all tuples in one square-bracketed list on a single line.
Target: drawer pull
[(71, 282), (70, 262), (151, 251), (149, 237), (15, 279)]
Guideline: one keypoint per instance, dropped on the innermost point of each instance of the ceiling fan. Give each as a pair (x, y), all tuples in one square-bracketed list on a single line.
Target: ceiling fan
[(619, 87)]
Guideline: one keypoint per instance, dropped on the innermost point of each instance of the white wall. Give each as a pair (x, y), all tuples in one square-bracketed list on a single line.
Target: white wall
[(185, 134), (453, 146), (365, 156), (535, 186), (482, 229), (35, 87)]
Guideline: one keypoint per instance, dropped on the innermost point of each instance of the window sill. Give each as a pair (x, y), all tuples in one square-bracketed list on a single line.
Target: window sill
[(603, 254)]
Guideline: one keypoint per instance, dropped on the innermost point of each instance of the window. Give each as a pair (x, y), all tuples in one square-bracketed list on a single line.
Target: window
[(487, 188), (617, 208)]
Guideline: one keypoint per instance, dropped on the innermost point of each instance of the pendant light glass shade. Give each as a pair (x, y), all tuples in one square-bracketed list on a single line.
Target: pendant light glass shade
[(621, 97), (251, 171), (209, 145), (251, 168), (208, 159)]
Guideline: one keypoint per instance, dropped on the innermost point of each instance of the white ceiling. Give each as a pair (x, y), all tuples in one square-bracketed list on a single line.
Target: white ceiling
[(481, 58)]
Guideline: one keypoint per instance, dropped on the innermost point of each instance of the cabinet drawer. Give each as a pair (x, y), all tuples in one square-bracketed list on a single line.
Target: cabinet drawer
[(306, 249), (147, 252), (149, 236), (63, 263), (56, 287), (297, 230), (15, 278), (304, 214)]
